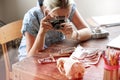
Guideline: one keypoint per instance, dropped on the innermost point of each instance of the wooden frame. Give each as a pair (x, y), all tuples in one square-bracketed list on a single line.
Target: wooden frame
[(8, 33)]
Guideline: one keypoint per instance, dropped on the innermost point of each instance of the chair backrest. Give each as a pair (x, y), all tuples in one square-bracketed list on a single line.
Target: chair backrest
[(8, 33)]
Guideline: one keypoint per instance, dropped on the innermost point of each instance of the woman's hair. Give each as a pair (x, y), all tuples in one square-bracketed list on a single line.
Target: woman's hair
[(40, 2), (58, 3)]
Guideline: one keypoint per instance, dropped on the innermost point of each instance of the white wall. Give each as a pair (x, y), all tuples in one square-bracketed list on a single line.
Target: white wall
[(90, 8), (1, 7), (15, 9), (11, 10), (24, 6)]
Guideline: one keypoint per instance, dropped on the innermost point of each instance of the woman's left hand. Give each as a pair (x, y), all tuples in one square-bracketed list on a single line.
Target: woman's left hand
[(67, 29)]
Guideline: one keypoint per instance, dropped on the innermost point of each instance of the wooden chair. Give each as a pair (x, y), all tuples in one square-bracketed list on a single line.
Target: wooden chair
[(8, 33)]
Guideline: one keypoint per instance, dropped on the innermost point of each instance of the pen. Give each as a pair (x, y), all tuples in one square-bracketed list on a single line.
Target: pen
[(105, 58)]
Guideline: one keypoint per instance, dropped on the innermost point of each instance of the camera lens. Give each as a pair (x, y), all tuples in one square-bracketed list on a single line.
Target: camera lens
[(56, 23), (57, 26)]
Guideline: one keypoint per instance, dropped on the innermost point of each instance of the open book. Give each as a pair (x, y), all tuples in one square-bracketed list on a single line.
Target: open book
[(114, 43)]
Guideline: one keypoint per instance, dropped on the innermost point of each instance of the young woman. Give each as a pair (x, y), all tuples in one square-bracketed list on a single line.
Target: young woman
[(39, 32)]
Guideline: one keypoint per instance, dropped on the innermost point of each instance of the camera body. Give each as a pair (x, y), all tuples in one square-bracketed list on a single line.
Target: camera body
[(99, 33), (56, 22)]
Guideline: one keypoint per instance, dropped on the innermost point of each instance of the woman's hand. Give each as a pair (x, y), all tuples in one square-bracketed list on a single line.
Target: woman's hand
[(67, 29), (45, 25)]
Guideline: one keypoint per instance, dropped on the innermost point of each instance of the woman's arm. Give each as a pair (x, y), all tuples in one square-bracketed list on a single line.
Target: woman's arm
[(36, 44), (83, 32), (29, 41)]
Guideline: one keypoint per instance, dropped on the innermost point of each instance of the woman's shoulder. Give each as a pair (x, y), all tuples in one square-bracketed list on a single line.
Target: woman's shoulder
[(73, 6), (34, 11), (34, 14)]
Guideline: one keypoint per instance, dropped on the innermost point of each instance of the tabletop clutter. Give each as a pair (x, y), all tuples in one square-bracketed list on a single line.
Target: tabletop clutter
[(66, 61), (73, 66)]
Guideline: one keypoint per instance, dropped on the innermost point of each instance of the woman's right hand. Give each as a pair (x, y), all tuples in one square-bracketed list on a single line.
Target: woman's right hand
[(45, 25)]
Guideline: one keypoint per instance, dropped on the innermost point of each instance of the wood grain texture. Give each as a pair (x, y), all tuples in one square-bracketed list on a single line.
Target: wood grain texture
[(30, 69)]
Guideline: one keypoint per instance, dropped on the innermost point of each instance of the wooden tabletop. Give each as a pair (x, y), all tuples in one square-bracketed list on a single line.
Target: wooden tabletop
[(101, 43), (30, 69)]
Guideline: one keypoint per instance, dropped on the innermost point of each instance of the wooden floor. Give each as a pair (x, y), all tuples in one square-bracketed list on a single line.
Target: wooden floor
[(2, 68), (13, 53), (13, 59)]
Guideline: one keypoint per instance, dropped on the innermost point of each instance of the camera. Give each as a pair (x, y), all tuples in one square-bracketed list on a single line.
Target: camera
[(56, 22), (99, 33)]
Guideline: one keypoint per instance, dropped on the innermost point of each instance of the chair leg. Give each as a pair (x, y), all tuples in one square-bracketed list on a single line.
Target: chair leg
[(6, 60)]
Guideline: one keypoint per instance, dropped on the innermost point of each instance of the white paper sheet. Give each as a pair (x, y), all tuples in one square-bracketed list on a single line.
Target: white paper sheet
[(115, 43), (110, 20)]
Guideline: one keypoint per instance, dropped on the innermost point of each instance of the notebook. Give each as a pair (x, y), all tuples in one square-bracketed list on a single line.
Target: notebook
[(114, 43), (109, 20)]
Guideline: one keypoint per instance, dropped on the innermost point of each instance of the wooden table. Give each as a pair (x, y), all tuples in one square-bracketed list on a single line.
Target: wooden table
[(30, 69)]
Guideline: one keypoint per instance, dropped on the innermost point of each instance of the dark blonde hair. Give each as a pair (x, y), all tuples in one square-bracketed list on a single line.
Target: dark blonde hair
[(57, 3)]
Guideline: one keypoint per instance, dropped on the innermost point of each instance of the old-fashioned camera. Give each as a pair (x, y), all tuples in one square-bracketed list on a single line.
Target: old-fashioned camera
[(56, 22), (99, 33)]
